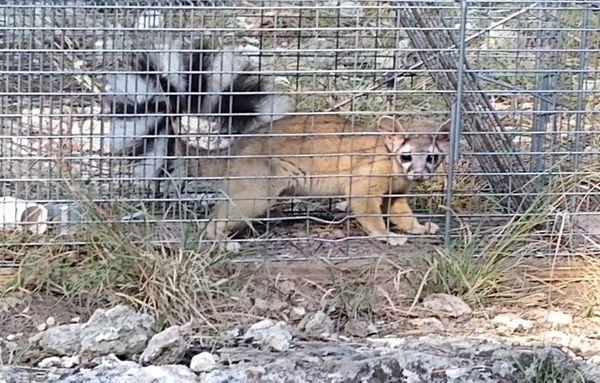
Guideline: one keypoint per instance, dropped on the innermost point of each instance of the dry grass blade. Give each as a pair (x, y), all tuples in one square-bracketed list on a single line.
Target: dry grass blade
[(109, 261)]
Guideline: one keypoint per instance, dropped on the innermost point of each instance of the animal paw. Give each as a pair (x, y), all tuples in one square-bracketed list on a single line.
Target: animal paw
[(431, 228), (394, 239), (428, 228)]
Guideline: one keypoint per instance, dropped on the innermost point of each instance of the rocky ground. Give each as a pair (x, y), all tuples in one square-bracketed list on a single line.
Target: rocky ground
[(120, 344)]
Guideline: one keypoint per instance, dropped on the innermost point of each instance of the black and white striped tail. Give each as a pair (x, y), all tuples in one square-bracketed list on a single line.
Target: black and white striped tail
[(221, 88)]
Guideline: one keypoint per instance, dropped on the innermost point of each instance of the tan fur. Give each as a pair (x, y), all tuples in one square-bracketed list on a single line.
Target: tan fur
[(358, 167)]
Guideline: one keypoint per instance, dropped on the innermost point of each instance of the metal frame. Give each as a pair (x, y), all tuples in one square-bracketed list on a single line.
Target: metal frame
[(536, 62)]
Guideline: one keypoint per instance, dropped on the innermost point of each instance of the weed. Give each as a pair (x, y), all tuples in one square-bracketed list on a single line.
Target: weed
[(108, 260), (353, 293), (548, 370)]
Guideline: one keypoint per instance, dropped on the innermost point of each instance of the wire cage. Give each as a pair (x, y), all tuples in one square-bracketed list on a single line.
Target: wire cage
[(519, 82)]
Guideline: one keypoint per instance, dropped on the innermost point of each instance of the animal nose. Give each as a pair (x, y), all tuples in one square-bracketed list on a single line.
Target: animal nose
[(418, 176)]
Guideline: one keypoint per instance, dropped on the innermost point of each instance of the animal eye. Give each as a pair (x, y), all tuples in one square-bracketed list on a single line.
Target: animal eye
[(432, 158), (406, 158)]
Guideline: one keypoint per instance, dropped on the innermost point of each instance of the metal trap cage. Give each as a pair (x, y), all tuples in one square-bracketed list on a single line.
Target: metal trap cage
[(519, 82)]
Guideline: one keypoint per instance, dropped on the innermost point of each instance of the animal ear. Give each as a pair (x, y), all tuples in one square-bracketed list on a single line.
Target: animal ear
[(388, 124), (443, 132)]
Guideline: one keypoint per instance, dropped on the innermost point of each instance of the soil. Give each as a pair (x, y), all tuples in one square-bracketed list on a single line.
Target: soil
[(20, 318), (316, 284)]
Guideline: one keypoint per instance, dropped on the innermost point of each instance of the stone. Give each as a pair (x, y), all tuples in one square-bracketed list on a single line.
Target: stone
[(228, 376), (119, 330), (318, 325), (203, 362), (563, 339), (69, 361), (9, 303), (11, 337), (457, 372), (110, 369), (429, 324), (512, 322), (52, 361), (166, 347), (594, 360), (50, 321), (450, 305), (41, 327), (261, 306), (61, 340), (391, 342), (297, 313), (233, 333), (558, 318), (278, 306), (360, 328), (269, 335), (427, 359), (287, 288)]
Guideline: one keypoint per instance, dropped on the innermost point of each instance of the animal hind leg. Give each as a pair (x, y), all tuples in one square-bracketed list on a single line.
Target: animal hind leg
[(244, 200)]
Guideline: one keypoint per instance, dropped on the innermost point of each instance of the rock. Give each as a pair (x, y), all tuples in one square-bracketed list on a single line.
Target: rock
[(563, 339), (318, 325), (429, 324), (75, 320), (9, 303), (111, 369), (233, 333), (269, 335), (297, 313), (387, 342), (455, 373), (428, 359), (360, 328), (512, 322), (35, 339), (50, 321), (558, 318), (278, 305), (203, 362), (41, 327), (228, 376), (52, 361), (11, 337), (168, 373), (69, 361), (119, 330), (450, 305), (61, 340), (261, 306), (287, 288), (166, 347)]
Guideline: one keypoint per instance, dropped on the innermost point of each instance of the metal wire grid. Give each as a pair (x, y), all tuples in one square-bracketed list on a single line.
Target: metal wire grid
[(537, 63)]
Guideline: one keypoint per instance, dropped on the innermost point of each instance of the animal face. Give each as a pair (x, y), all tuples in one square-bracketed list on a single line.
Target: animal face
[(418, 149)]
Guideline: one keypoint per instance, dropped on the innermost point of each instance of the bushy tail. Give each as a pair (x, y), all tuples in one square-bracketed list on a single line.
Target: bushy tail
[(221, 88)]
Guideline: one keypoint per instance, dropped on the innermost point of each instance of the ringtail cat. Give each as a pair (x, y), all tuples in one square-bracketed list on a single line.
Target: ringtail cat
[(315, 156)]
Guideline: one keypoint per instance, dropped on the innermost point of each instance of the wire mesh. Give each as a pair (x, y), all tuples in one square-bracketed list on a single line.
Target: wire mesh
[(522, 77)]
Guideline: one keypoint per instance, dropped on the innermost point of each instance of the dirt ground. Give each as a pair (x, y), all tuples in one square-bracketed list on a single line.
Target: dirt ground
[(276, 287)]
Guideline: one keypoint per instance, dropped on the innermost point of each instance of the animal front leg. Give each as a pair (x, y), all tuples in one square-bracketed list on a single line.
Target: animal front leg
[(369, 216), (402, 217)]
